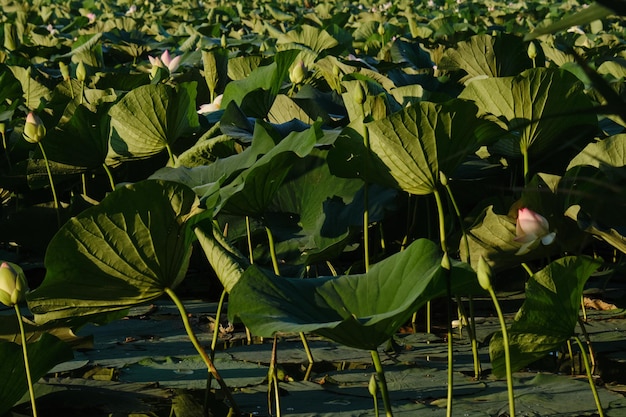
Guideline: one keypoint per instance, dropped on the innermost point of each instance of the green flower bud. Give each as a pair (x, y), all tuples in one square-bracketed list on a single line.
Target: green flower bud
[(372, 386), (3, 128), (81, 72), (34, 130), (65, 71), (484, 274), (532, 50), (223, 41), (381, 29), (13, 285), (298, 73)]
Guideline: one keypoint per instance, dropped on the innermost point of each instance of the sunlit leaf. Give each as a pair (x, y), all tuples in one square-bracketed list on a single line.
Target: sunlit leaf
[(130, 246)]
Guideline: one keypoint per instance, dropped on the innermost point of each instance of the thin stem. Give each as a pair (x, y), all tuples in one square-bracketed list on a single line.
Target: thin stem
[(170, 153), (527, 269), (590, 377), (507, 353), (54, 192), (592, 355), (270, 239), (380, 373), (366, 214), (525, 157), (196, 343), (216, 328), (26, 363), (445, 263), (472, 321), (249, 236), (109, 175)]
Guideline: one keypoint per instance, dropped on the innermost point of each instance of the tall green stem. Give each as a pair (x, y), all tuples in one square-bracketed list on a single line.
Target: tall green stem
[(109, 175), (216, 329), (472, 321), (196, 343), (54, 192), (26, 363), (526, 164), (171, 154), (366, 214), (445, 263), (383, 382), (592, 385), (270, 239), (507, 352)]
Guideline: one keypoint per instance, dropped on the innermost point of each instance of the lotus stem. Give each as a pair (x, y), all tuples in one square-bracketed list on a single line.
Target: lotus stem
[(273, 380), (527, 269), (196, 343), (525, 159), (507, 352), (170, 153), (270, 238), (592, 385), (216, 328), (109, 175), (592, 355), (249, 238), (29, 380), (380, 373), (445, 263), (54, 192), (472, 321)]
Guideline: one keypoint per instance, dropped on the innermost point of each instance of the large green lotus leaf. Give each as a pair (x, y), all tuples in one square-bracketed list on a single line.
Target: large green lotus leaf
[(541, 106), (419, 142), (34, 91), (255, 93), (313, 212), (251, 192), (360, 311), (548, 316), (606, 153), (42, 356), (122, 252), (150, 117), (308, 37), (486, 55), (82, 141)]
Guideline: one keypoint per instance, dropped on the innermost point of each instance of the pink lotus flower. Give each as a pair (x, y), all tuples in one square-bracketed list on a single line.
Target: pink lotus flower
[(166, 61), (531, 229)]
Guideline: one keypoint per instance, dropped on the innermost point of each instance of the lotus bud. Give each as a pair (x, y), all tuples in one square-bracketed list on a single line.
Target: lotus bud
[(532, 50), (3, 128), (530, 229), (298, 73), (484, 274), (372, 387), (13, 285), (381, 30), (65, 71), (223, 40), (359, 94), (34, 130), (81, 72)]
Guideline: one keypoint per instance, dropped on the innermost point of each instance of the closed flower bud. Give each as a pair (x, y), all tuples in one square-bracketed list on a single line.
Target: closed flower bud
[(484, 274), (34, 130), (532, 50), (223, 41), (372, 387), (13, 285), (81, 72), (381, 29), (65, 71), (298, 73)]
